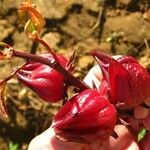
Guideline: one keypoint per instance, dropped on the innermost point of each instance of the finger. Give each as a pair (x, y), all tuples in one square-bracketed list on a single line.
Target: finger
[(42, 141), (48, 141), (94, 76), (125, 141)]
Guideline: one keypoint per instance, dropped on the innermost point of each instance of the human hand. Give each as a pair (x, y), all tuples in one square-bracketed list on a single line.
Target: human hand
[(48, 141)]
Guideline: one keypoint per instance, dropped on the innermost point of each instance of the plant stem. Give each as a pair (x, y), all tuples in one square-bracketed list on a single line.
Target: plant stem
[(56, 65), (39, 40)]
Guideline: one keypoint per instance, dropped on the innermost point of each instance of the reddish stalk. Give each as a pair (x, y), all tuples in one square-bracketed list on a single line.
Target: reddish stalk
[(39, 40), (69, 77)]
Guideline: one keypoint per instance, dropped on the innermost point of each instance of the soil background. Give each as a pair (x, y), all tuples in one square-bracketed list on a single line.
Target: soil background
[(113, 26)]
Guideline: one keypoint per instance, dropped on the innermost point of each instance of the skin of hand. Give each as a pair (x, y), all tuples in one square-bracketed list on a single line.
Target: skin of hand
[(48, 141)]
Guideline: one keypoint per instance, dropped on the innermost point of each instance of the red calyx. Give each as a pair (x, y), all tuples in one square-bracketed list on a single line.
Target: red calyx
[(47, 83), (86, 117), (139, 79), (128, 83)]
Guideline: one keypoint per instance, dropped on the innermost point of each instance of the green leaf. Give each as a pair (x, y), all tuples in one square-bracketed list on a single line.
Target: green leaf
[(13, 146), (31, 27), (142, 134), (31, 18)]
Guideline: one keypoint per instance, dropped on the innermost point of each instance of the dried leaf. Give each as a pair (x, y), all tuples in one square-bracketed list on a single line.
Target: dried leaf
[(3, 108), (32, 18), (6, 51)]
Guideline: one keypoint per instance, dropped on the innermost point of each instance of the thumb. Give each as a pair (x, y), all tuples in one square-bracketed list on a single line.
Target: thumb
[(48, 141)]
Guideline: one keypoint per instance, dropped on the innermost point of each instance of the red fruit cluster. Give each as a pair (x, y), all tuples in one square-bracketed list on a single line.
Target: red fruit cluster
[(127, 85), (91, 114)]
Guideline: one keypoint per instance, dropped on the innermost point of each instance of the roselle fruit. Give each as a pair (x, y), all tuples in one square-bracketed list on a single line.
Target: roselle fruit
[(128, 83), (85, 118), (46, 82)]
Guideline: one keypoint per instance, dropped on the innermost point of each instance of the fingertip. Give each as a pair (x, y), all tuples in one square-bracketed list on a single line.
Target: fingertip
[(93, 76), (34, 144), (125, 141), (42, 141)]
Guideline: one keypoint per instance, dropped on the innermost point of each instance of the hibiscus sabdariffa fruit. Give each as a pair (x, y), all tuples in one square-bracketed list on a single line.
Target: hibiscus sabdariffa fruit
[(46, 82), (87, 117), (125, 82)]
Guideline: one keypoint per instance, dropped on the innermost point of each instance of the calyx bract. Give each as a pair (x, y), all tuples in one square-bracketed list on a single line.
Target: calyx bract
[(86, 117), (125, 81), (46, 82)]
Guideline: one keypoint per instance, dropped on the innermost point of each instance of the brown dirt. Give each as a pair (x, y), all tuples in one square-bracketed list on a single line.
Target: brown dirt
[(116, 27)]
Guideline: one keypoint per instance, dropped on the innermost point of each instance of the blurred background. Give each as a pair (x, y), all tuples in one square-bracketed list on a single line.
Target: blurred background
[(113, 26)]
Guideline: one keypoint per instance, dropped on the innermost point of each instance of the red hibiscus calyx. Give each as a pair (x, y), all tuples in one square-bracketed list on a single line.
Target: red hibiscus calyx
[(46, 82), (86, 117), (128, 83)]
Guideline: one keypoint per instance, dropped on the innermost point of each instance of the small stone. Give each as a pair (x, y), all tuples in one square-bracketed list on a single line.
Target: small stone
[(20, 119), (125, 2), (22, 94), (85, 61), (146, 15)]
